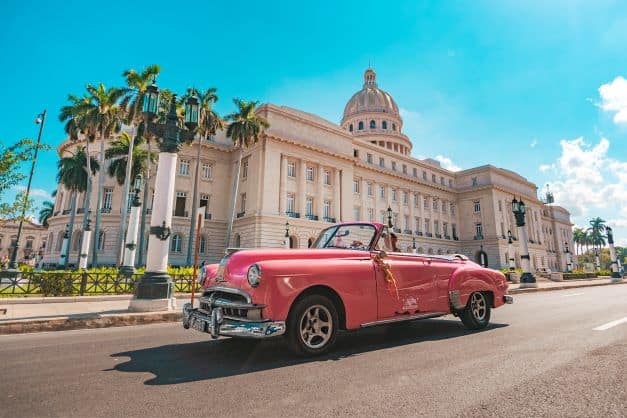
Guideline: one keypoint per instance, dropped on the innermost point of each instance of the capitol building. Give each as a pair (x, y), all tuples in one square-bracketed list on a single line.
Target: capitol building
[(311, 173)]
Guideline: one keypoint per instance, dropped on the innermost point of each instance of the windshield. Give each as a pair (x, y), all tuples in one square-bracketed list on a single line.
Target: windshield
[(352, 237)]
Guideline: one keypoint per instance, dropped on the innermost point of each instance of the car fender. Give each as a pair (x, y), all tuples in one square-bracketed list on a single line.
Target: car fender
[(465, 281)]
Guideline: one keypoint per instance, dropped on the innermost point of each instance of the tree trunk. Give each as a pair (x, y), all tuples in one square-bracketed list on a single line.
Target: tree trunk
[(87, 201), (124, 212), (229, 226), (192, 226), (94, 260), (142, 228), (70, 228)]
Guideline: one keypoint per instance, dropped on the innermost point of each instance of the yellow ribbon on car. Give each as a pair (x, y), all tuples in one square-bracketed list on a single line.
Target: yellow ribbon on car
[(389, 277)]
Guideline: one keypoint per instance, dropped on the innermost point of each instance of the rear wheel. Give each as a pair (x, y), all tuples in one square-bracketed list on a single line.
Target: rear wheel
[(312, 325), (476, 314)]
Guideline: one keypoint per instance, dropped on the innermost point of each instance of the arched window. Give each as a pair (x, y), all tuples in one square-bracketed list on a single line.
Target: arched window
[(420, 250), (175, 244), (101, 240), (293, 242), (59, 241), (238, 241), (350, 128), (373, 124), (393, 126), (76, 239), (384, 124), (201, 244), (360, 126), (440, 252), (430, 250)]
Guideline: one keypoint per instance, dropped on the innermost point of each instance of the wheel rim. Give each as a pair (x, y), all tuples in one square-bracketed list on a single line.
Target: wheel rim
[(316, 326), (478, 306)]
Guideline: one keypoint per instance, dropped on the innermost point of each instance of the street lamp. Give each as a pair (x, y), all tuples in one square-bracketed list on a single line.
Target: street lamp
[(389, 217), (128, 262), (153, 291), (613, 259), (510, 251), (82, 259), (286, 240), (13, 271), (413, 245), (568, 258), (64, 246), (526, 279)]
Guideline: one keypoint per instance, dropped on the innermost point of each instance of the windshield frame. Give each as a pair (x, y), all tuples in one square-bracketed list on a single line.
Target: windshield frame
[(335, 228)]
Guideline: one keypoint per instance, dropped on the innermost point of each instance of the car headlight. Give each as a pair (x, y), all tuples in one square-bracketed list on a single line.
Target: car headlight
[(254, 275)]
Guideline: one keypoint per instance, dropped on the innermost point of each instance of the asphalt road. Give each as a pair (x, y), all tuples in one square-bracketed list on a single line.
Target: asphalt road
[(541, 357)]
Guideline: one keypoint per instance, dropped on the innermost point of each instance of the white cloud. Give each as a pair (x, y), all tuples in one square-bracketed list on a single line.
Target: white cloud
[(447, 163), (546, 167), (34, 193), (614, 99), (533, 143)]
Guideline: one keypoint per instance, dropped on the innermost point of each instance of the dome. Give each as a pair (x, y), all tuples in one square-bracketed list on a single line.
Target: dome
[(370, 99)]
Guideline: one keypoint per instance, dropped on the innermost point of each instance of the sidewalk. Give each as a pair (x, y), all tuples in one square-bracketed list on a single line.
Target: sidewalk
[(21, 315)]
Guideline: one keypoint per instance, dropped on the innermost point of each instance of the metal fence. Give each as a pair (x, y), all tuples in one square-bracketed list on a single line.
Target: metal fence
[(79, 284)]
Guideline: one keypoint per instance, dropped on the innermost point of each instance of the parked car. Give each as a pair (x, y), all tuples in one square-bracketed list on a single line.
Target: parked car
[(348, 280)]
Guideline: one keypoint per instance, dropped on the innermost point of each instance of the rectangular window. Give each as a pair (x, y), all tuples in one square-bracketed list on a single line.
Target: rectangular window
[(442, 181), (356, 214), (415, 200), (245, 169), (108, 197), (445, 228), (395, 220), (406, 223), (356, 186), (436, 227), (427, 226), (179, 207), (450, 182), (478, 231), (474, 181), (394, 165), (309, 206), (326, 209), (204, 201), (424, 175), (369, 158), (384, 219), (370, 215), (393, 195), (243, 203), (404, 168), (452, 209), (184, 167), (405, 198), (207, 171), (291, 169), (426, 203), (415, 172), (477, 205), (310, 174), (444, 205), (434, 178), (435, 204), (501, 207), (290, 203), (327, 177), (356, 153), (369, 189), (417, 223), (381, 162), (382, 192), (454, 230)]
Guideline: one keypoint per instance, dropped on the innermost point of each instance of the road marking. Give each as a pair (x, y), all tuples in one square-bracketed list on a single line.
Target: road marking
[(573, 294), (610, 324)]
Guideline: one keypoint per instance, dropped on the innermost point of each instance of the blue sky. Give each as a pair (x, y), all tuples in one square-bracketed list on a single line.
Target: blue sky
[(515, 84)]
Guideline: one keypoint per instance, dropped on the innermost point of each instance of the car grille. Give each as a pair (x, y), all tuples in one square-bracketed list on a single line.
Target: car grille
[(224, 299)]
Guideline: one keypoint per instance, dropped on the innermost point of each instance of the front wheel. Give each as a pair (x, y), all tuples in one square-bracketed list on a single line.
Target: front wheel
[(312, 325), (476, 314)]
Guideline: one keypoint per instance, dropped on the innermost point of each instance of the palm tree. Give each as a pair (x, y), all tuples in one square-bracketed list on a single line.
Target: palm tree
[(105, 117), (209, 122), (578, 234), (72, 173), (138, 84), (46, 212), (118, 152), (244, 129), (596, 229)]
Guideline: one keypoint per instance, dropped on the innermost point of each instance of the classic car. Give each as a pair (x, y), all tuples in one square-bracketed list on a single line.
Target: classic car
[(349, 279)]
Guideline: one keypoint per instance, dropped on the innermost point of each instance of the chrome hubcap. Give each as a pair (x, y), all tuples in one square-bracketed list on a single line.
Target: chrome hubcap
[(316, 326), (478, 306)]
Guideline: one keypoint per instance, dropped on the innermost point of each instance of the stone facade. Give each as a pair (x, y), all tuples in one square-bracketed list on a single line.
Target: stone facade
[(312, 172), (32, 241)]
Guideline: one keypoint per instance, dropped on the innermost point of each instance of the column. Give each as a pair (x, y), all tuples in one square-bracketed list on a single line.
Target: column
[(412, 212), (337, 208), (128, 266), (282, 180), (527, 279), (364, 200), (301, 188)]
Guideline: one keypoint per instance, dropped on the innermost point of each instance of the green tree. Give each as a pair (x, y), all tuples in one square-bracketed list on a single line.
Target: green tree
[(45, 212), (244, 130), (209, 122), (72, 173), (118, 154)]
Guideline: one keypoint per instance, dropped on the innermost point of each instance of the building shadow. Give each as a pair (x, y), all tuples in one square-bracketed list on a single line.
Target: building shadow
[(211, 359)]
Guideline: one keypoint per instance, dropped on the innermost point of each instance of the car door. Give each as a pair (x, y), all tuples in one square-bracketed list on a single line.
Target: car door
[(409, 287)]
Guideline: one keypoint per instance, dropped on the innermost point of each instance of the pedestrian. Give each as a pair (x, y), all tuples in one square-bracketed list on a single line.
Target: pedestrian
[(394, 241)]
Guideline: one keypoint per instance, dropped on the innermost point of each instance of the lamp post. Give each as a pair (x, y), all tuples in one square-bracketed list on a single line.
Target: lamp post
[(569, 263), (153, 291), (86, 240), (286, 240), (64, 246), (13, 271), (526, 279), (128, 261), (613, 260), (510, 251), (597, 259), (389, 217), (413, 245)]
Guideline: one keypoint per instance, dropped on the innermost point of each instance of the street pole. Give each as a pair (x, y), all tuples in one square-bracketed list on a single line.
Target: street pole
[(153, 291), (86, 241), (527, 279), (413, 245), (286, 240), (510, 252), (616, 277), (128, 268), (569, 262), (13, 271), (64, 247), (119, 257), (198, 225)]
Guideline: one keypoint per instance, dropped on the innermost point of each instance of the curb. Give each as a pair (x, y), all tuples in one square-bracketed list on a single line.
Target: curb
[(71, 299), (86, 322), (564, 287)]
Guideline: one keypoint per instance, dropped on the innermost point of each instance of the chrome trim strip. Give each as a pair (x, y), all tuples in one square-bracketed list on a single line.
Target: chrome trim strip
[(404, 318), (227, 289), (225, 327)]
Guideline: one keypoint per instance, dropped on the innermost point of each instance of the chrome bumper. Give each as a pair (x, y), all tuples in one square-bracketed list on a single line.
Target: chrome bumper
[(508, 299), (216, 325)]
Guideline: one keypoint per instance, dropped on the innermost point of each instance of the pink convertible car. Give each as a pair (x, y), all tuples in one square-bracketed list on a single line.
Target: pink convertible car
[(349, 279)]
